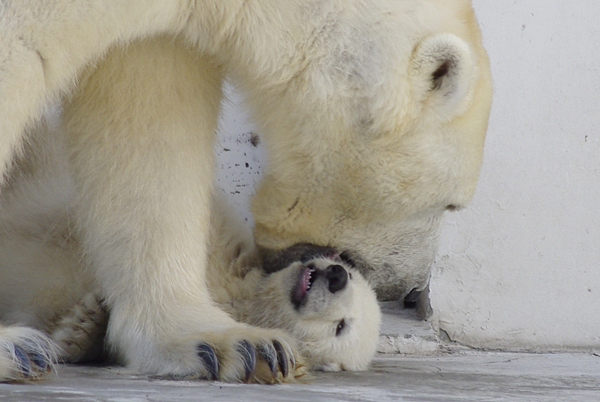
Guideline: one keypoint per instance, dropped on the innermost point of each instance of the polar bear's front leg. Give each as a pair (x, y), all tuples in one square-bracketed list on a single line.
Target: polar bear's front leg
[(45, 44), (140, 131)]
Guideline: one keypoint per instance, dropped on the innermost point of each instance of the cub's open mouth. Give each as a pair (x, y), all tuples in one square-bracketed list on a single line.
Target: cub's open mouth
[(306, 279), (333, 276)]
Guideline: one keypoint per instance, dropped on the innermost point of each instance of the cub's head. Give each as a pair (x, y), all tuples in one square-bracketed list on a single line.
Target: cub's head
[(328, 307), (378, 132)]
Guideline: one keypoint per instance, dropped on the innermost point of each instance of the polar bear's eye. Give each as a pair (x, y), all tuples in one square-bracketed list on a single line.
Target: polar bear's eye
[(340, 327)]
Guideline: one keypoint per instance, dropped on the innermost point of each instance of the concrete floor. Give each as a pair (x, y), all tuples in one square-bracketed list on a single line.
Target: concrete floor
[(413, 366), (447, 377)]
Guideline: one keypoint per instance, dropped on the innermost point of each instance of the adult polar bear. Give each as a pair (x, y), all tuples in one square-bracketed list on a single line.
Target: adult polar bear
[(374, 114)]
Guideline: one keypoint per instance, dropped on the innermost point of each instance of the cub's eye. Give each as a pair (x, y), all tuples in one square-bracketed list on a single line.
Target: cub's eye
[(340, 328)]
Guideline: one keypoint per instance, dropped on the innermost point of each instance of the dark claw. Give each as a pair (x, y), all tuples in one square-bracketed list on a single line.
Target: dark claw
[(209, 357), (24, 364), (281, 358), (40, 356), (40, 360), (248, 352), (267, 352)]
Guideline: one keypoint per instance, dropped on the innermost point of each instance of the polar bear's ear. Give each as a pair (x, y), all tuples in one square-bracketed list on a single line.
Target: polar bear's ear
[(443, 73)]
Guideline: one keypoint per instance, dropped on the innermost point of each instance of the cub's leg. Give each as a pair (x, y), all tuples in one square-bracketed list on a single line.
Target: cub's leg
[(141, 129), (79, 335)]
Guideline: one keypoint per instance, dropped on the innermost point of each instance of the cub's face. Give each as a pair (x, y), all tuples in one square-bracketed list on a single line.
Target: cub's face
[(328, 307), (381, 132)]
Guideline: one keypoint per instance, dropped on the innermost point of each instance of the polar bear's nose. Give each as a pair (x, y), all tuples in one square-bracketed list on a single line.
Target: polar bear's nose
[(337, 277)]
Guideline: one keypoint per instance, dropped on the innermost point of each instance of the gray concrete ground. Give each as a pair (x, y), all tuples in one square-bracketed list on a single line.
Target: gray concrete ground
[(420, 369), (448, 377)]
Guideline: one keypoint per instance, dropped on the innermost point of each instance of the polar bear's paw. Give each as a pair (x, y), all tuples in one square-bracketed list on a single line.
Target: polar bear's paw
[(25, 354), (255, 355), (236, 353)]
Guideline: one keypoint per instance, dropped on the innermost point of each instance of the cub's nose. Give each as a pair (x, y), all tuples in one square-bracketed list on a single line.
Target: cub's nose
[(337, 277)]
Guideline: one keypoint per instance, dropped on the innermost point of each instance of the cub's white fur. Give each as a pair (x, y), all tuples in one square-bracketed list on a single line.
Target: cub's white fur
[(334, 330), (373, 111)]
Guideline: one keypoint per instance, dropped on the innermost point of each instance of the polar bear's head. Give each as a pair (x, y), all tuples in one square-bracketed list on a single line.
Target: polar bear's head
[(376, 132), (328, 307)]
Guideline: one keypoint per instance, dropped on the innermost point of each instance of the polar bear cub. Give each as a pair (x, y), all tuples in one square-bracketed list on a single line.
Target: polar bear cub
[(325, 305)]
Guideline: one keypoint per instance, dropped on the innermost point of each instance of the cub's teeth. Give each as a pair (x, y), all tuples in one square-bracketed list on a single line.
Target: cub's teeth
[(308, 278)]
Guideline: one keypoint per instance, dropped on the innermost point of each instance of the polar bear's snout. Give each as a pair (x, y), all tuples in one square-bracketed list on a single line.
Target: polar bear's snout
[(276, 260)]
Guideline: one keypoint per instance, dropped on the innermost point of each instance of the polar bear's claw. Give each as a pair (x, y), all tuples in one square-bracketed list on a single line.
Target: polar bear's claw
[(267, 352), (22, 361), (25, 354), (250, 361), (40, 361), (281, 358), (248, 352), (209, 357)]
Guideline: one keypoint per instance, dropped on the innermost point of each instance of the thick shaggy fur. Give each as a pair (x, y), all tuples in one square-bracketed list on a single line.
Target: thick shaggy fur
[(373, 111), (45, 283)]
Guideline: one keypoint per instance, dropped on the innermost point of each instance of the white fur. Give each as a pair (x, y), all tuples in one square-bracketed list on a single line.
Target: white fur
[(25, 353), (265, 300), (64, 306), (365, 155), (315, 324)]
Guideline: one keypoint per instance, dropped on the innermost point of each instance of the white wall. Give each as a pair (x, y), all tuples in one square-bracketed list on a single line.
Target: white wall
[(520, 268), (240, 153)]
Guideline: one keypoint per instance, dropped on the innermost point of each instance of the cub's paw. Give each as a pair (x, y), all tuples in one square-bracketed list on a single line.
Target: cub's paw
[(79, 335), (252, 355), (25, 354)]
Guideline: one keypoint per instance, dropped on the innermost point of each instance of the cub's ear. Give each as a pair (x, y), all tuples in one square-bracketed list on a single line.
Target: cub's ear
[(443, 72)]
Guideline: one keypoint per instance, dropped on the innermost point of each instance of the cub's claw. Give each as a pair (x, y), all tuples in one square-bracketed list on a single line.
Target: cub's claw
[(248, 352), (209, 357)]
